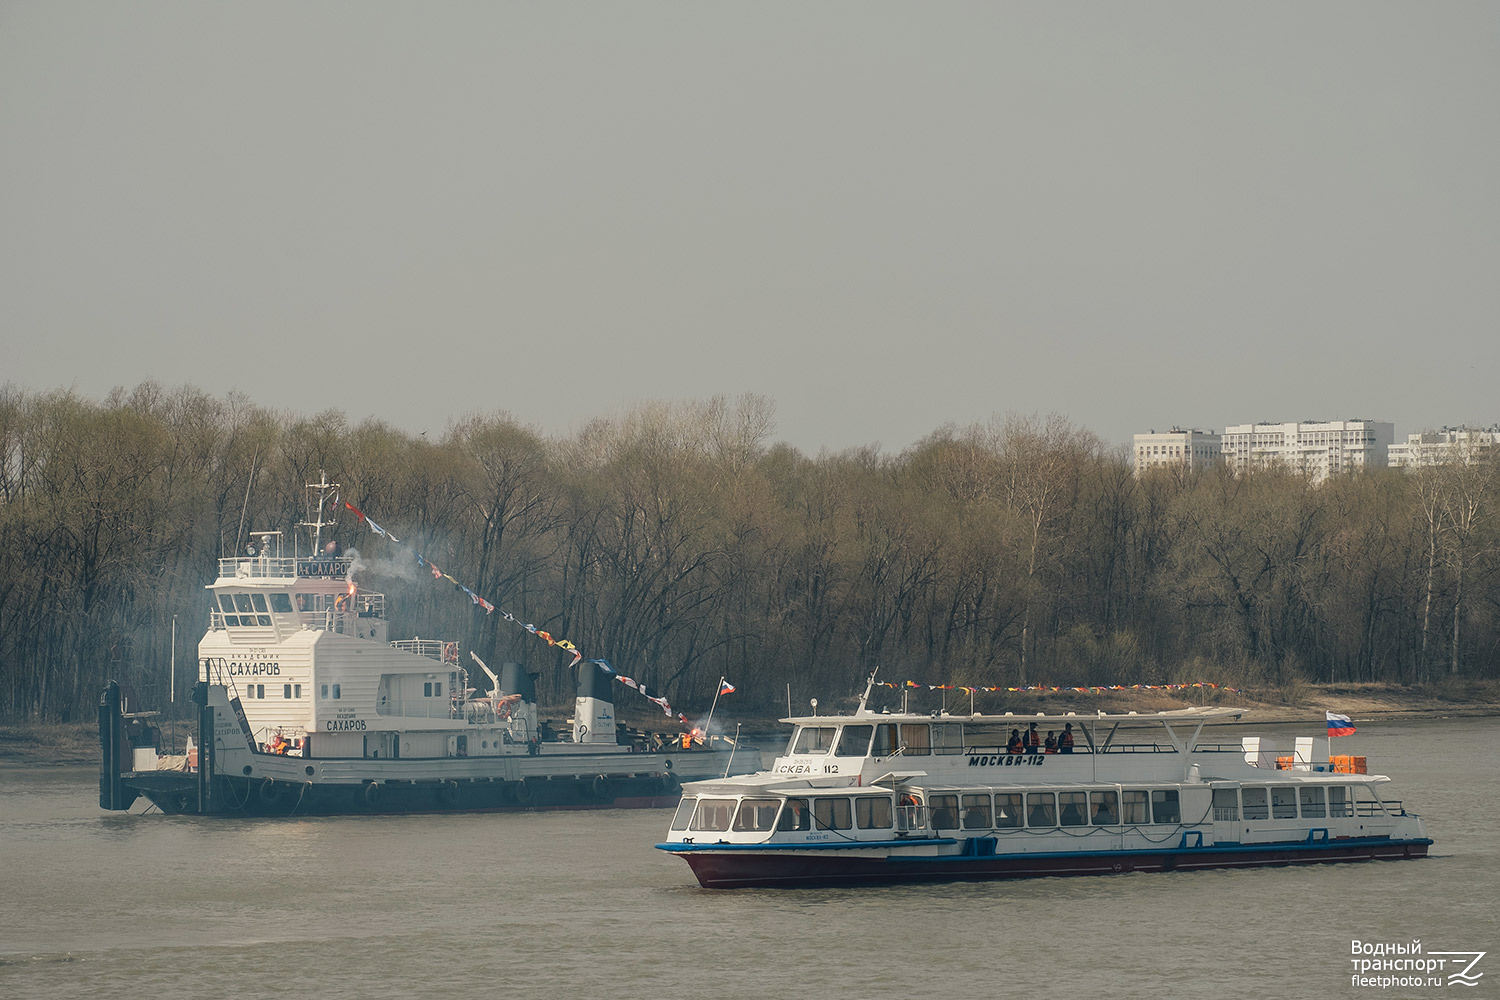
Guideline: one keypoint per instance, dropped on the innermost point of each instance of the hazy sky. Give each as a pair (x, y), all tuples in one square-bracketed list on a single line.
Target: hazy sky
[(883, 216)]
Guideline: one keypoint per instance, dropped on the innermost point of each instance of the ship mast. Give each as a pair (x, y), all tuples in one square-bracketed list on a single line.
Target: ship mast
[(322, 486)]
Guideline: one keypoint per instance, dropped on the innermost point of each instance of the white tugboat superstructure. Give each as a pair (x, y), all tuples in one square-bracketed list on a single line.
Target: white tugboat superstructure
[(306, 707)]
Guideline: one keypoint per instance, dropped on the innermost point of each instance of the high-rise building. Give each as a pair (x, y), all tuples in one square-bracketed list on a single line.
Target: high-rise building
[(1189, 450), (1318, 449), (1450, 444)]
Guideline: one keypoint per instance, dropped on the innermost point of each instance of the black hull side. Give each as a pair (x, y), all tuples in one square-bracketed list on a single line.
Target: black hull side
[(177, 793), (734, 869)]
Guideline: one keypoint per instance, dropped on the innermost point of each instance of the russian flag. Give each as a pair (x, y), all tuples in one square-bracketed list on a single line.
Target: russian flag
[(1339, 725), (725, 687)]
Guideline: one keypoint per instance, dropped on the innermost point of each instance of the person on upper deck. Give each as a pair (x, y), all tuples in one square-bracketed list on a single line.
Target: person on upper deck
[(1065, 741), (1050, 745), (1033, 740), (1015, 745)]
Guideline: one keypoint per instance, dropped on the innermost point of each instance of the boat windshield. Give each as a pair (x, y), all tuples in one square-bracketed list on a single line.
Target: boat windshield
[(813, 739), (854, 741)]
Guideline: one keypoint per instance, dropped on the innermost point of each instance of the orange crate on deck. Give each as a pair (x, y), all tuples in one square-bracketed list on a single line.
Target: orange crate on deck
[(1284, 763), (1348, 765)]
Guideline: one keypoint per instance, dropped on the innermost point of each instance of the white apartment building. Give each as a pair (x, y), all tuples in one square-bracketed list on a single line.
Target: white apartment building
[(1188, 450), (1450, 444), (1317, 449)]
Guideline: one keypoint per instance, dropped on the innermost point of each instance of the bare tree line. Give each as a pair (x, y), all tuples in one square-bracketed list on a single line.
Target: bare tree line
[(679, 544)]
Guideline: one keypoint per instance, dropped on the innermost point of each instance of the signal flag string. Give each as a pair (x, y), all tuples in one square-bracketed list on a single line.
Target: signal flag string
[(489, 609)]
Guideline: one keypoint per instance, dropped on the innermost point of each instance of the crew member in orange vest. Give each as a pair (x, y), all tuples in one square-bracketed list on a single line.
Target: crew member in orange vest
[(1033, 740), (1065, 741)]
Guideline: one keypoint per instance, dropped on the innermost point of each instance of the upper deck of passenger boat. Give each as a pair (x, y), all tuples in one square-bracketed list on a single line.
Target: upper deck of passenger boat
[(885, 733)]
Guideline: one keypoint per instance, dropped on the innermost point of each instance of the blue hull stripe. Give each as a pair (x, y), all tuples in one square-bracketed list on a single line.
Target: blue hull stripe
[(1228, 848)]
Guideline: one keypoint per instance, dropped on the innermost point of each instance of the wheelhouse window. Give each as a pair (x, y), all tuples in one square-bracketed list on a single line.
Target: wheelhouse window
[(756, 815), (1008, 814), (872, 813), (813, 739), (1339, 802), (1164, 807), (795, 816), (1283, 802), (831, 814), (976, 812), (1104, 809), (713, 814), (916, 739), (281, 604), (226, 606), (1133, 808), (1071, 808), (1253, 800), (854, 741), (1041, 809), (886, 740)]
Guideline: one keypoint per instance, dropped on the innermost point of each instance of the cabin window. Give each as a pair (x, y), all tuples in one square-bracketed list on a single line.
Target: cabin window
[(1008, 814), (831, 814), (947, 737), (296, 690), (335, 691), (1311, 797), (713, 814), (944, 812), (756, 815), (916, 739), (1226, 804), (1041, 809), (1071, 808), (813, 739), (1104, 808), (976, 812), (281, 604), (873, 813), (854, 741), (1133, 808), (794, 816), (1254, 802), (1283, 802), (1339, 802), (1164, 808), (684, 813), (286, 691), (885, 740)]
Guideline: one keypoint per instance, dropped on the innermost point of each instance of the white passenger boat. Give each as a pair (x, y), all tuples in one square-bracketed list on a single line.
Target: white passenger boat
[(306, 707), (883, 797)]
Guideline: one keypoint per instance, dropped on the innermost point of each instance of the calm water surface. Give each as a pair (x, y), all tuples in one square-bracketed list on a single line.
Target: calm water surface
[(580, 905)]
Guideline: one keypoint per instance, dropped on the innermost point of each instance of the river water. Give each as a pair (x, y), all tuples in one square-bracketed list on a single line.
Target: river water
[(579, 905)]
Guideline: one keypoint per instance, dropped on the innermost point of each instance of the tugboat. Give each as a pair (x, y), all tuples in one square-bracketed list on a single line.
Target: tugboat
[(305, 707), (890, 797)]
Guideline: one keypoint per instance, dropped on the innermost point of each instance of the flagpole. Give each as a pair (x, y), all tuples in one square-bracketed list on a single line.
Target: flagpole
[(712, 707)]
